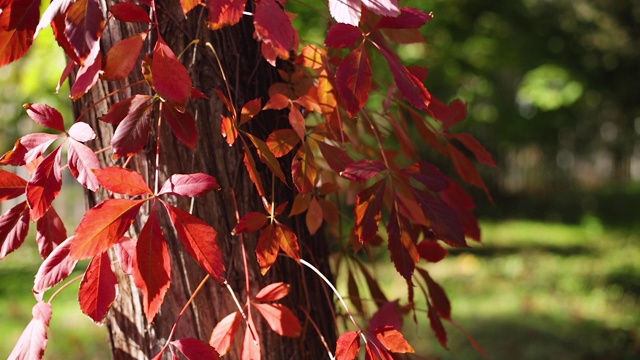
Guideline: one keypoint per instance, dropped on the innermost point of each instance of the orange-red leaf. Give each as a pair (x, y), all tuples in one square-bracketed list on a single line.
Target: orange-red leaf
[(304, 171), (122, 181), (368, 211), (282, 141), (297, 122), (273, 292), (98, 288), (280, 319), (268, 247), (129, 12), (11, 185), (250, 110), (199, 239), (314, 216), (250, 222), (288, 241), (123, 56), (188, 5), (55, 268), (251, 345), (348, 345), (194, 349), (223, 333), (170, 78), (353, 80), (45, 185), (152, 266), (267, 157), (18, 22), (393, 340), (228, 129), (224, 12), (103, 226), (401, 245)]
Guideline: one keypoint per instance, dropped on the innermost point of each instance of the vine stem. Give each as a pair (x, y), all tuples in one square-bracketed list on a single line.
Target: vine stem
[(313, 323), (335, 291), (157, 170), (64, 286)]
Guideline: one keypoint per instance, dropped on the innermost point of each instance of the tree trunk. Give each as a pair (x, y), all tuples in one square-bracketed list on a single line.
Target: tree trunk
[(249, 77)]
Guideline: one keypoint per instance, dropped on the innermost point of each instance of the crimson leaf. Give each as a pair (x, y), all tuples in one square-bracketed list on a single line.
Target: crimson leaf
[(98, 288), (190, 185), (55, 268)]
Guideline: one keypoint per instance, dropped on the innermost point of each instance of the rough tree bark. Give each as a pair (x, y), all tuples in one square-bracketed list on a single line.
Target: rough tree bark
[(249, 77)]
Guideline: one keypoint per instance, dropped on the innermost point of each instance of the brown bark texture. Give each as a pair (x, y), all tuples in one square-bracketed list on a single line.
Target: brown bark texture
[(249, 77)]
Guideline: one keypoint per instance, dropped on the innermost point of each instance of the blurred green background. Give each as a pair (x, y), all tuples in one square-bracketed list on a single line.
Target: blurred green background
[(553, 93)]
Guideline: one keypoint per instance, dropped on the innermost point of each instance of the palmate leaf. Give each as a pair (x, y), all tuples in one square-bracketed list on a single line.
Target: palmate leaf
[(152, 265), (280, 319), (55, 268), (33, 341), (18, 22), (28, 148), (14, 226), (224, 332), (274, 237), (98, 288), (266, 156), (45, 185)]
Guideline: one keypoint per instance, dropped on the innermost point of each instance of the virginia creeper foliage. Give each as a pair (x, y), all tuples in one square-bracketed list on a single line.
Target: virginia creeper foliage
[(348, 158)]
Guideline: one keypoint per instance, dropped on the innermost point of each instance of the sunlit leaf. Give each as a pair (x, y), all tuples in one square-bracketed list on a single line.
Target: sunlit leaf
[(14, 226), (33, 341), (224, 332), (11, 185), (409, 18), (45, 185), (273, 292), (281, 142), (123, 56), (196, 184), (342, 35), (250, 222), (346, 11), (84, 26), (194, 349), (267, 157), (280, 319), (55, 268), (129, 12), (45, 115), (18, 22), (88, 74), (274, 29), (81, 132), (82, 161), (353, 80), (170, 78), (28, 148), (314, 217), (122, 181), (368, 211), (304, 171), (132, 133), (50, 232), (393, 340), (98, 288), (348, 345), (224, 12)]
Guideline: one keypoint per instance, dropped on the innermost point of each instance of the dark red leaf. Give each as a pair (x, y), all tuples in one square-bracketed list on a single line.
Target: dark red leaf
[(199, 239), (182, 124), (196, 184), (251, 222), (170, 78), (383, 7), (98, 288), (466, 168), (368, 211), (45, 115), (120, 110), (336, 158), (129, 12), (342, 35), (45, 185), (274, 29), (81, 132), (393, 340), (122, 181), (363, 170), (475, 147), (132, 133), (282, 141), (439, 298), (14, 226), (224, 332), (436, 325), (194, 349), (33, 341), (346, 11), (152, 265), (84, 26), (450, 114), (82, 161), (50, 232), (348, 345), (18, 22), (88, 74), (429, 175), (304, 171), (102, 226), (402, 245), (272, 292), (444, 220), (410, 86), (353, 80), (267, 157), (55, 268), (224, 12), (28, 148), (431, 251), (123, 56), (280, 319), (11, 185), (409, 18), (313, 218)]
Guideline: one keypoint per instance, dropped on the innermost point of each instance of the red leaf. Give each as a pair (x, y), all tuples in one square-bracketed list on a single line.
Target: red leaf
[(152, 266), (277, 101), (281, 142), (268, 247), (194, 349), (342, 35), (191, 185), (431, 251), (45, 185), (224, 12), (393, 340), (300, 203), (389, 314), (45, 115), (120, 110), (297, 122), (250, 110), (98, 288), (51, 232), (88, 73), (182, 124), (28, 148), (84, 26), (444, 220), (313, 218), (402, 246), (348, 345), (273, 292), (353, 80), (304, 171), (122, 181), (251, 222), (170, 78), (123, 56), (368, 211), (250, 164), (14, 226), (81, 132), (82, 160), (409, 18), (33, 341), (363, 170), (102, 226), (125, 250), (288, 241), (251, 346), (280, 319), (336, 158), (11, 185), (58, 24), (274, 29), (133, 132), (18, 22), (228, 129), (188, 5), (129, 12), (438, 297), (429, 175), (55, 268), (267, 157), (223, 333), (436, 325), (199, 239), (475, 147), (346, 11), (410, 86), (450, 114)]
